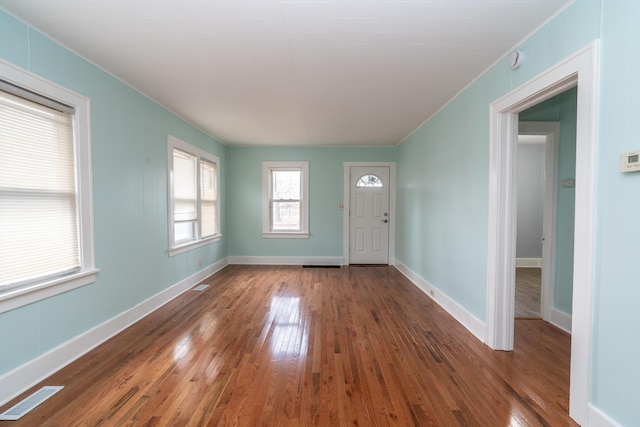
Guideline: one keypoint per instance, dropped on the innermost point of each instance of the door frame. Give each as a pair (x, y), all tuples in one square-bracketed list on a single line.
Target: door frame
[(551, 130), (579, 69), (346, 204)]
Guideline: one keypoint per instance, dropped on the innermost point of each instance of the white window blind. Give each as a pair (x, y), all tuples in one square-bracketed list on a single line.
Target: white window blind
[(185, 196), (194, 211), (38, 192)]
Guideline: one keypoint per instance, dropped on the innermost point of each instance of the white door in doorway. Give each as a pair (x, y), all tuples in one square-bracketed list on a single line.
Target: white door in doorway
[(369, 215)]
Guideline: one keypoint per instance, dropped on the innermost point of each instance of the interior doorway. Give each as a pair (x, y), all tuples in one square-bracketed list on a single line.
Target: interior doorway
[(578, 70), (537, 169)]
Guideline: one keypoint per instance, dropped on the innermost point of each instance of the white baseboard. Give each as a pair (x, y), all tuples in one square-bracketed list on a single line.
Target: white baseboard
[(276, 260), (560, 319), (529, 262), (597, 418), (31, 373), (464, 317)]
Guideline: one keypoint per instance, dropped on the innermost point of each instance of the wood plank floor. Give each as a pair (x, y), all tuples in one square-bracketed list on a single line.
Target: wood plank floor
[(291, 346), (528, 284)]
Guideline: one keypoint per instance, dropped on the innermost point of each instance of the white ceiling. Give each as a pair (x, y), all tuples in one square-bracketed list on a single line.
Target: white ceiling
[(293, 72)]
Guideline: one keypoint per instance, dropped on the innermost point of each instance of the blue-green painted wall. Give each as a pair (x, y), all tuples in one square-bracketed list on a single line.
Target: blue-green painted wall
[(129, 161), (616, 345), (443, 170), (326, 190), (442, 195), (562, 108)]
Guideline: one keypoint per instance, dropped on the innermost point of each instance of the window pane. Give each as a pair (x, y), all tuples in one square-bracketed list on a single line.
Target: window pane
[(208, 198), (184, 231), (184, 186), (369, 181), (286, 185), (286, 216), (38, 200)]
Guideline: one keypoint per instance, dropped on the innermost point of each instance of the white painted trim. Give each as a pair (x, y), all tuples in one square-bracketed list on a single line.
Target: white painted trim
[(31, 292), (529, 262), (597, 418), (178, 144), (346, 206), (22, 378), (581, 69), (282, 235), (548, 263), (464, 317), (267, 186), (286, 260), (560, 319)]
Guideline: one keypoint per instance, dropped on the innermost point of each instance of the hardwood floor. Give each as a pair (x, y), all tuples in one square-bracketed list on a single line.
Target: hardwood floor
[(289, 346), (528, 282)]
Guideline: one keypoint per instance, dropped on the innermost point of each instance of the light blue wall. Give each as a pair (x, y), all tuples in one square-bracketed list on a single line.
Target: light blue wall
[(442, 195), (326, 189), (436, 192), (616, 373), (562, 108), (129, 152)]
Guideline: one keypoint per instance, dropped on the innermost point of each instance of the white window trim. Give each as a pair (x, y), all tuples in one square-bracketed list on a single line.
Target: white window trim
[(12, 297), (267, 233), (173, 142)]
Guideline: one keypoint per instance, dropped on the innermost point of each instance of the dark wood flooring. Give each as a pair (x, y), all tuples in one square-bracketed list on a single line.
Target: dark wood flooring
[(292, 346)]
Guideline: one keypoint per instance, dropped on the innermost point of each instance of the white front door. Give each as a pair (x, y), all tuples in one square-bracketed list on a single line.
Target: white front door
[(369, 215)]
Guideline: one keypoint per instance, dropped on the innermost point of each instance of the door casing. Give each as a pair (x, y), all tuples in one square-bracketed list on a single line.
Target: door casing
[(579, 69)]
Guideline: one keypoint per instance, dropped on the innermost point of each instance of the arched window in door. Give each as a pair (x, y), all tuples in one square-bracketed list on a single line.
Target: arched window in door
[(369, 180)]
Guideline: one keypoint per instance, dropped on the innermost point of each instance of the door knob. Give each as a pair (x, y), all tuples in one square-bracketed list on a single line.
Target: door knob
[(385, 221)]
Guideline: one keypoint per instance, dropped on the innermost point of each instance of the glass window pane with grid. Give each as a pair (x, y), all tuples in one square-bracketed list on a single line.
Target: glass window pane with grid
[(208, 198), (285, 202), (194, 210)]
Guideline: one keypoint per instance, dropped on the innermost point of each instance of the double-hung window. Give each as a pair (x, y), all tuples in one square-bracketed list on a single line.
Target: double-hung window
[(193, 196), (46, 230), (285, 199)]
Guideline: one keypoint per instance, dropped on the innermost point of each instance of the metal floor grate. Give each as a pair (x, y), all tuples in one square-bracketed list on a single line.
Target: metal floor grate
[(200, 288), (26, 405)]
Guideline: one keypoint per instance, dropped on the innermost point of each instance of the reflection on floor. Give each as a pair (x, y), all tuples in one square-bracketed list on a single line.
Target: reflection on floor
[(528, 292)]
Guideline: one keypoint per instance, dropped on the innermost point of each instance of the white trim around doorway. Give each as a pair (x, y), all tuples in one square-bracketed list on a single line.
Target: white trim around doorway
[(579, 69)]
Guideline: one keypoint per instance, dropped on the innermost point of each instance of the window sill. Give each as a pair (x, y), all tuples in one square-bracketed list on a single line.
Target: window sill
[(284, 235), (192, 245), (27, 294)]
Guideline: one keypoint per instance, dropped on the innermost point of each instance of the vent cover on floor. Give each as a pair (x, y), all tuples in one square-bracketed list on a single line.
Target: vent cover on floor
[(20, 409), (200, 288)]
